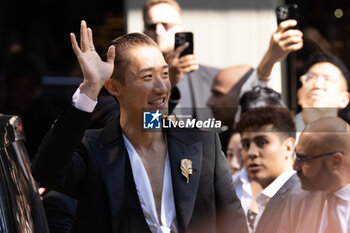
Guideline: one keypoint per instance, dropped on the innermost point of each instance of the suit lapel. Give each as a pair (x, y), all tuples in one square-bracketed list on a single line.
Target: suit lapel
[(184, 194), (275, 204), (111, 157)]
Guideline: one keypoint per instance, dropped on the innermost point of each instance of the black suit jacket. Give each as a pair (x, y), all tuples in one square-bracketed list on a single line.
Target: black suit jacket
[(273, 212), (95, 169), (59, 210)]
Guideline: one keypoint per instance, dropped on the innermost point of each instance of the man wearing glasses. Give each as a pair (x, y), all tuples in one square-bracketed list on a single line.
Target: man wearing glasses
[(323, 167), (324, 89), (325, 82)]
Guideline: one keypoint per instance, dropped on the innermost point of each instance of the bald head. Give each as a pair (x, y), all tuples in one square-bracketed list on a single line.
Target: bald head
[(331, 133), (227, 78), (323, 155), (225, 92)]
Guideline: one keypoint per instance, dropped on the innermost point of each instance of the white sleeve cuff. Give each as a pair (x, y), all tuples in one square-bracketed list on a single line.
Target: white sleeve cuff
[(83, 102)]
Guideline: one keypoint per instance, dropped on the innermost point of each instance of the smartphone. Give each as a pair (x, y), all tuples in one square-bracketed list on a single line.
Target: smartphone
[(288, 11), (183, 37)]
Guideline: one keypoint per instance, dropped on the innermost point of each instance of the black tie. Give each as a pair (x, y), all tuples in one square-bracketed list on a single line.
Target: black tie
[(251, 218)]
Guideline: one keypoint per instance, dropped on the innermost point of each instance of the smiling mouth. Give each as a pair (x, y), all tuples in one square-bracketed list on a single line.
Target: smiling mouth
[(157, 102)]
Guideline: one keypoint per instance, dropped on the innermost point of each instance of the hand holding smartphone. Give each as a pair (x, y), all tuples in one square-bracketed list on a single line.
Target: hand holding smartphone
[(183, 37)]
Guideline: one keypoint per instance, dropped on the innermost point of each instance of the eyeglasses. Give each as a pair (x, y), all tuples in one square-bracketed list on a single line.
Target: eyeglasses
[(166, 26), (311, 77), (303, 158)]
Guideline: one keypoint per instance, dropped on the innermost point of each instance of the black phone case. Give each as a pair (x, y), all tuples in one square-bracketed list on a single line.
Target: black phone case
[(288, 11), (183, 37)]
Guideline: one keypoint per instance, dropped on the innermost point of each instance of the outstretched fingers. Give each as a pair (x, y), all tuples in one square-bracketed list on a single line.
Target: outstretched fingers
[(75, 45), (90, 39), (84, 38)]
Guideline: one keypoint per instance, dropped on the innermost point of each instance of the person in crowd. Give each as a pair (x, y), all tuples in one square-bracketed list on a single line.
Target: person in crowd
[(267, 137), (324, 89), (323, 167), (233, 153), (126, 178), (191, 81), (260, 97), (226, 92), (325, 80), (226, 85), (223, 101)]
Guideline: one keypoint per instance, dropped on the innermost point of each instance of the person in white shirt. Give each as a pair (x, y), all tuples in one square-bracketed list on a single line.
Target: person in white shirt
[(323, 167), (126, 178), (267, 137)]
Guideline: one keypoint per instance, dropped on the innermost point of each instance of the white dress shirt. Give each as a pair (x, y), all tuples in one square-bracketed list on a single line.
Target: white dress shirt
[(83, 102), (243, 189), (167, 222), (342, 211)]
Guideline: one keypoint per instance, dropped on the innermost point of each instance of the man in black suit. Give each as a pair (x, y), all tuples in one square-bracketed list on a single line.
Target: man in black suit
[(267, 137), (130, 179)]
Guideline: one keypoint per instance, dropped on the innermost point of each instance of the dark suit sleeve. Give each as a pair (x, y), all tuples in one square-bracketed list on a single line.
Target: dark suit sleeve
[(57, 165), (60, 211), (230, 215)]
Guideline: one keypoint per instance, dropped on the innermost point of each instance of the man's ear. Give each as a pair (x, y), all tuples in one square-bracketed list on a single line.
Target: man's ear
[(289, 147), (337, 161), (113, 87), (344, 99)]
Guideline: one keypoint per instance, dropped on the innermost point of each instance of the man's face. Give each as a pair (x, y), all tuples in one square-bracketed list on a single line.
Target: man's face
[(313, 174), (233, 153), (223, 101), (147, 84), (161, 23), (265, 155), (325, 87)]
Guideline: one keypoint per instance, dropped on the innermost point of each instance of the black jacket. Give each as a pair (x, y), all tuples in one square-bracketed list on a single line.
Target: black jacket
[(95, 169)]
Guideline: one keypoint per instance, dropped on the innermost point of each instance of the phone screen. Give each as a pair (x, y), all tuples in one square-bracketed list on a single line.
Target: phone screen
[(183, 37)]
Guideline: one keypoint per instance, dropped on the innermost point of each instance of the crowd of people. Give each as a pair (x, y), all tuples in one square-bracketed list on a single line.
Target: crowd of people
[(268, 170)]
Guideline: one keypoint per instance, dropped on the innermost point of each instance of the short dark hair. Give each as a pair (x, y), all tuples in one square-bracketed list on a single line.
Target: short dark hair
[(320, 57), (259, 97), (281, 118), (123, 45)]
